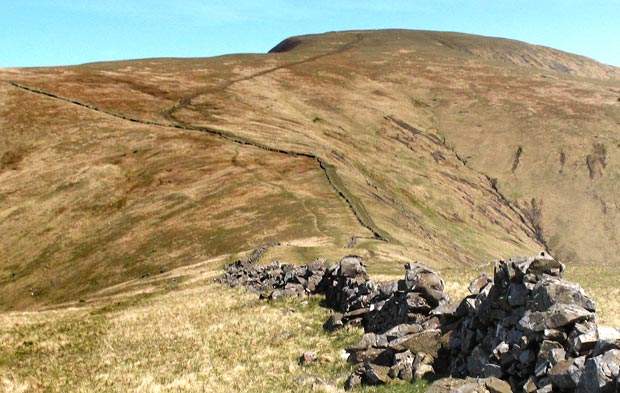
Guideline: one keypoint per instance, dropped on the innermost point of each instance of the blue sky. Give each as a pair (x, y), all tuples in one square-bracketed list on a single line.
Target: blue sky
[(59, 32)]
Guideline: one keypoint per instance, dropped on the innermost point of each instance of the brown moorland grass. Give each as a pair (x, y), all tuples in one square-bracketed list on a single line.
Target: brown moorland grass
[(95, 200), (457, 149), (178, 331)]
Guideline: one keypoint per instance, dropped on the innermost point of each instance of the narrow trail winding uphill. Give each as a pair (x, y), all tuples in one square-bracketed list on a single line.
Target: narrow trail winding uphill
[(330, 177)]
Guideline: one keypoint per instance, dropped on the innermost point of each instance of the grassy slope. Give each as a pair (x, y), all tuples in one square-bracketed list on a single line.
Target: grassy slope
[(180, 332), (92, 200), (486, 97), (486, 111), (89, 203), (349, 139)]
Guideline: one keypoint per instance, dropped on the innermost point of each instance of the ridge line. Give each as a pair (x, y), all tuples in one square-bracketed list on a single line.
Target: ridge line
[(186, 100)]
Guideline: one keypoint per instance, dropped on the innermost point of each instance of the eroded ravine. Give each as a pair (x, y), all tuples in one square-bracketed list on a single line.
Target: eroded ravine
[(534, 233)]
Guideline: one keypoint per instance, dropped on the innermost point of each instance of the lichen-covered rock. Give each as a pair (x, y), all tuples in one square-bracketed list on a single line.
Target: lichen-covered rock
[(421, 279), (469, 385), (421, 370), (307, 358), (426, 341), (403, 329), (543, 263), (554, 290), (496, 385), (352, 267), (381, 356), (479, 283), (334, 322), (402, 366), (353, 381), (608, 338), (550, 354), (376, 374)]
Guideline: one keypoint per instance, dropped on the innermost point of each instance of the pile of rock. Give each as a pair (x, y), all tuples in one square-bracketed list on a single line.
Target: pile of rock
[(348, 290), (403, 335), (526, 326), (403, 338), (275, 279), (534, 329), (380, 306), (526, 329)]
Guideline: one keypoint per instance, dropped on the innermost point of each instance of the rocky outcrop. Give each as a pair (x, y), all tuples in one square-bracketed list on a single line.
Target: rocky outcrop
[(526, 328)]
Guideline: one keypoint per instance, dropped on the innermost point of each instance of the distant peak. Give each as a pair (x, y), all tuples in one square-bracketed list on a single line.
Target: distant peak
[(286, 45), (436, 43)]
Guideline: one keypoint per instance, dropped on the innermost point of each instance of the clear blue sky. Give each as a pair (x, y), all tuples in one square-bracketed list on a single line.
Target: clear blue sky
[(59, 32)]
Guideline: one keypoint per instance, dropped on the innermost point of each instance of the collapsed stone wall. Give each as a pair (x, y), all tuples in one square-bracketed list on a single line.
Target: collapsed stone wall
[(525, 329), (275, 279), (380, 306), (534, 329)]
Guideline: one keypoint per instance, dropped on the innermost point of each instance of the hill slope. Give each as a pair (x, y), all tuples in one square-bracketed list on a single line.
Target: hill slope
[(441, 147)]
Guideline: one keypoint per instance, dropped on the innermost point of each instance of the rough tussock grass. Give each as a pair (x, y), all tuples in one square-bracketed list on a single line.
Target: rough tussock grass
[(181, 332), (193, 336)]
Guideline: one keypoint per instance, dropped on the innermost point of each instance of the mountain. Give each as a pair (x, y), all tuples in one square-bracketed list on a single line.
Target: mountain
[(126, 186), (396, 145)]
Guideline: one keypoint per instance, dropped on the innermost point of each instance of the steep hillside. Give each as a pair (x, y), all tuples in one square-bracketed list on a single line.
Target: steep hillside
[(90, 200), (442, 147)]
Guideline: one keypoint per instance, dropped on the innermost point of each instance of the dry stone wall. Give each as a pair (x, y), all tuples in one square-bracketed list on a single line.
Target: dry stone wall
[(536, 330), (524, 329)]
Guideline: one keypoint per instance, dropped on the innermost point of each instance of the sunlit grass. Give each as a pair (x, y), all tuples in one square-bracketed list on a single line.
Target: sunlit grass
[(97, 202), (200, 337), (189, 334)]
